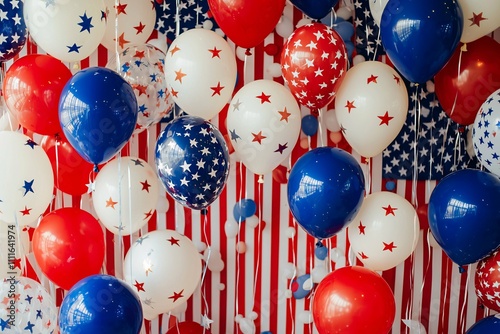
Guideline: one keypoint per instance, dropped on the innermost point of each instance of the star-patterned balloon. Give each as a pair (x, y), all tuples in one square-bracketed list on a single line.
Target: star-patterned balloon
[(13, 31), (69, 30), (313, 63), (484, 133), (487, 281), (126, 193), (26, 179), (142, 67), (164, 268), (385, 231), (26, 307), (130, 22), (480, 18), (192, 161)]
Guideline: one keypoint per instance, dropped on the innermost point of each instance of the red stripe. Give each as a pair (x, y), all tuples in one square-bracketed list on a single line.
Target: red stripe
[(110, 253), (292, 258), (223, 250), (206, 237), (462, 303), (188, 232), (426, 283), (275, 297), (445, 295)]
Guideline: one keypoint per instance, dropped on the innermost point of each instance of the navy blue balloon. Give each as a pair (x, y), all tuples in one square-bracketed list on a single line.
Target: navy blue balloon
[(13, 28), (420, 36), (315, 9), (464, 215), (488, 325), (325, 191), (309, 125), (192, 160), (101, 304), (98, 113), (244, 209)]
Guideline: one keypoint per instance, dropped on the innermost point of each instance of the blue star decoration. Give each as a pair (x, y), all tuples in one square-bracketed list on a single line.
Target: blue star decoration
[(29, 327), (4, 325), (28, 187), (86, 23), (368, 42), (74, 48), (31, 143)]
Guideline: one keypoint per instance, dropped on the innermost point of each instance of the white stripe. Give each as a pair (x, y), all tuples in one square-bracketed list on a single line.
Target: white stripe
[(435, 298), (281, 300)]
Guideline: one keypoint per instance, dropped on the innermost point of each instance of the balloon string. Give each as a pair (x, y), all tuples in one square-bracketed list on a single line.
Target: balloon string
[(290, 284), (209, 248), (426, 270), (177, 18), (368, 186), (320, 127), (117, 50), (462, 49), (417, 110), (238, 237), (120, 216), (258, 245), (463, 314), (57, 170)]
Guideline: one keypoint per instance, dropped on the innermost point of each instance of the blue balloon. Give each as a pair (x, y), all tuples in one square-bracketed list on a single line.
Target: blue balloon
[(345, 29), (98, 113), (315, 9), (325, 190), (349, 46), (301, 286), (464, 215), (420, 36), (192, 160), (320, 251), (13, 28), (488, 325), (244, 209), (309, 125), (101, 304)]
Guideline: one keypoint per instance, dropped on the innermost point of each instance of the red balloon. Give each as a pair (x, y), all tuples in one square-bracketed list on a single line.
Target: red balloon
[(32, 87), (487, 280), (313, 64), (71, 171), (245, 22), (479, 76), (68, 245), (188, 327), (353, 300)]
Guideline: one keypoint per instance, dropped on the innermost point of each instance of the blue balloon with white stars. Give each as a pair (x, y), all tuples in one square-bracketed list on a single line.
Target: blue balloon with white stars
[(192, 160), (13, 32)]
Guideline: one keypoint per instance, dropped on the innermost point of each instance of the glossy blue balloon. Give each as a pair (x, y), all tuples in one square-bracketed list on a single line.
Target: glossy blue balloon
[(244, 209), (98, 113), (464, 215), (315, 9), (321, 252), (309, 125), (420, 36), (13, 28), (192, 160), (488, 325), (101, 304), (325, 191)]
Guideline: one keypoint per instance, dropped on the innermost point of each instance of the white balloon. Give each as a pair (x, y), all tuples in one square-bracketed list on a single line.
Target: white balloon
[(241, 53), (69, 30), (200, 69), (330, 119), (162, 205), (18, 240), (252, 221), (8, 122), (480, 18), (284, 28), (126, 193), (376, 8), (318, 273), (135, 23), (385, 231), (165, 269), (289, 270), (274, 70), (305, 317), (415, 326), (345, 12), (26, 179), (231, 228), (357, 59), (264, 123), (371, 107), (159, 43)]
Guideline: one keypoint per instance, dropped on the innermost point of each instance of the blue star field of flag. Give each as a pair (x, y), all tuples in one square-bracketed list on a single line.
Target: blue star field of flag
[(192, 14), (13, 31), (430, 145)]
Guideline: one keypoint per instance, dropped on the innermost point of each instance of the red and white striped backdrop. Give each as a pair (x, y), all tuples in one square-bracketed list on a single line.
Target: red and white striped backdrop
[(428, 286)]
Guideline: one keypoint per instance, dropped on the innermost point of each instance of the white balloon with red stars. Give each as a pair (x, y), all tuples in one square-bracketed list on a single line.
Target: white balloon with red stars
[(129, 22), (313, 63), (200, 69), (385, 231), (164, 268), (371, 107)]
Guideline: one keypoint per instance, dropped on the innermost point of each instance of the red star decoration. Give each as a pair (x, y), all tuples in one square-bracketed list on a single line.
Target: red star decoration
[(40, 298), (173, 241), (477, 18), (176, 295), (217, 89), (26, 211), (179, 75), (174, 93), (372, 78), (148, 214), (174, 50), (350, 105), (389, 246), (110, 203), (284, 115), (363, 256), (5, 300), (215, 52), (264, 98), (139, 54), (145, 185), (17, 263), (385, 119), (389, 210), (120, 9), (122, 41), (139, 28), (258, 137), (139, 286), (140, 88), (397, 79), (361, 228)]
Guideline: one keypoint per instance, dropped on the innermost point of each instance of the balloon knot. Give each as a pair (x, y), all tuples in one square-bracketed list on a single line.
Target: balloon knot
[(204, 211), (464, 48), (248, 52), (261, 179), (461, 269), (96, 168)]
